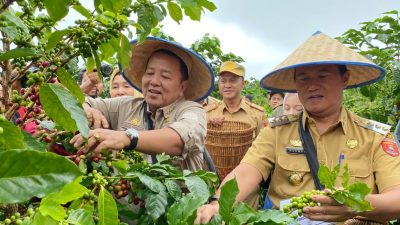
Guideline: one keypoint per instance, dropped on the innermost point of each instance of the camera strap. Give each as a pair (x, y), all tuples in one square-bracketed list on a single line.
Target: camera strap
[(310, 151), (149, 126)]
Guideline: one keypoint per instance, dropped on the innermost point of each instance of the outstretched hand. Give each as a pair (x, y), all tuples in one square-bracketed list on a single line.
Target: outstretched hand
[(95, 118), (100, 139), (206, 212)]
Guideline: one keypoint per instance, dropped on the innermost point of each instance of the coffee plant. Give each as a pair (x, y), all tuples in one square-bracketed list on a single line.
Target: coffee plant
[(351, 195), (45, 180)]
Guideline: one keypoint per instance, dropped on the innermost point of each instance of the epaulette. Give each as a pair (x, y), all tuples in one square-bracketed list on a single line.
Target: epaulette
[(281, 120), (210, 107), (255, 106), (373, 125)]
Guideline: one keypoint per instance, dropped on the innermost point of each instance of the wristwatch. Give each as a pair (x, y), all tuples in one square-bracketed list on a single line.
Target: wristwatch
[(134, 136)]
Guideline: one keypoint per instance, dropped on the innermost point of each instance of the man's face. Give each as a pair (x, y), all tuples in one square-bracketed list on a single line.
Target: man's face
[(162, 82), (230, 85), (320, 88), (275, 100), (98, 88)]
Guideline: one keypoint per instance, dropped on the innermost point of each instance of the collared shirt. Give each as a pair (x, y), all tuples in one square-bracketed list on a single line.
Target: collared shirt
[(247, 112), (187, 118), (273, 153)]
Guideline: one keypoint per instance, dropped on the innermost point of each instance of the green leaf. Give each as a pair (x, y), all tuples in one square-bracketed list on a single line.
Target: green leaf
[(359, 190), (181, 212), (353, 200), (11, 136), (106, 50), (275, 216), (47, 124), (346, 177), (63, 108), (69, 192), (192, 9), (156, 204), (17, 53), (227, 199), (31, 143), (124, 52), (25, 174), (173, 189), (14, 21), (107, 208), (55, 38), (197, 186), (216, 220), (175, 11), (151, 183), (241, 214), (120, 165), (327, 177), (70, 83), (57, 9), (208, 5), (82, 10), (115, 6), (81, 217), (158, 13), (39, 219), (50, 207)]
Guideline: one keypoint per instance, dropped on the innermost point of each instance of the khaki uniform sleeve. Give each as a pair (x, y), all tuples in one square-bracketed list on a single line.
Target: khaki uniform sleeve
[(110, 107), (260, 122), (261, 154), (386, 167), (191, 125)]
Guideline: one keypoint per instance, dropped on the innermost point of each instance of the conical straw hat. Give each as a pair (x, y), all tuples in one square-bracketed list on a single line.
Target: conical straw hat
[(321, 49), (201, 75)]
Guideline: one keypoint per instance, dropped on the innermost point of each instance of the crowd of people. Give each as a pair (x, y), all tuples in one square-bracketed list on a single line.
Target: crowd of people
[(164, 94)]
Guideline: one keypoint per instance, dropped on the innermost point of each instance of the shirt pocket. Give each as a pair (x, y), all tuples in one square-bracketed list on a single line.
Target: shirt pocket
[(291, 176), (360, 170)]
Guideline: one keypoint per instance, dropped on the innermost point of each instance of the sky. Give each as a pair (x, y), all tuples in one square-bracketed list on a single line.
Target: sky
[(265, 32)]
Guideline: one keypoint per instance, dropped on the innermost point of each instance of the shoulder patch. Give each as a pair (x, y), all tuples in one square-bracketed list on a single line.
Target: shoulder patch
[(211, 107), (255, 106), (281, 120), (373, 125), (390, 147)]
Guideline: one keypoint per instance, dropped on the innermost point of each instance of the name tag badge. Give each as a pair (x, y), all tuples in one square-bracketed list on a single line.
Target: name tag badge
[(295, 150), (301, 219)]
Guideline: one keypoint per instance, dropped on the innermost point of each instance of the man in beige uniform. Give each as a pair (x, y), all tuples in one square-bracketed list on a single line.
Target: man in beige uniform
[(233, 107), (169, 77), (319, 70)]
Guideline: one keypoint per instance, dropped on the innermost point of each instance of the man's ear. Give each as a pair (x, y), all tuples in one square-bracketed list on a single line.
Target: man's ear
[(243, 83), (184, 85), (346, 78)]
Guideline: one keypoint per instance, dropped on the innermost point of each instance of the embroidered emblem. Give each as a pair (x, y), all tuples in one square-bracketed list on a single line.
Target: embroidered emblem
[(296, 143), (294, 151), (295, 179), (352, 143), (135, 121), (390, 147)]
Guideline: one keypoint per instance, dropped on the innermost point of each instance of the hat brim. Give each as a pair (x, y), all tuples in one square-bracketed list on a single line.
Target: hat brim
[(201, 75), (320, 49), (361, 74)]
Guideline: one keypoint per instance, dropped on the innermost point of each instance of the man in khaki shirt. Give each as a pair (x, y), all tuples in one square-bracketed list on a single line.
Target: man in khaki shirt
[(165, 120), (319, 70), (233, 107)]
